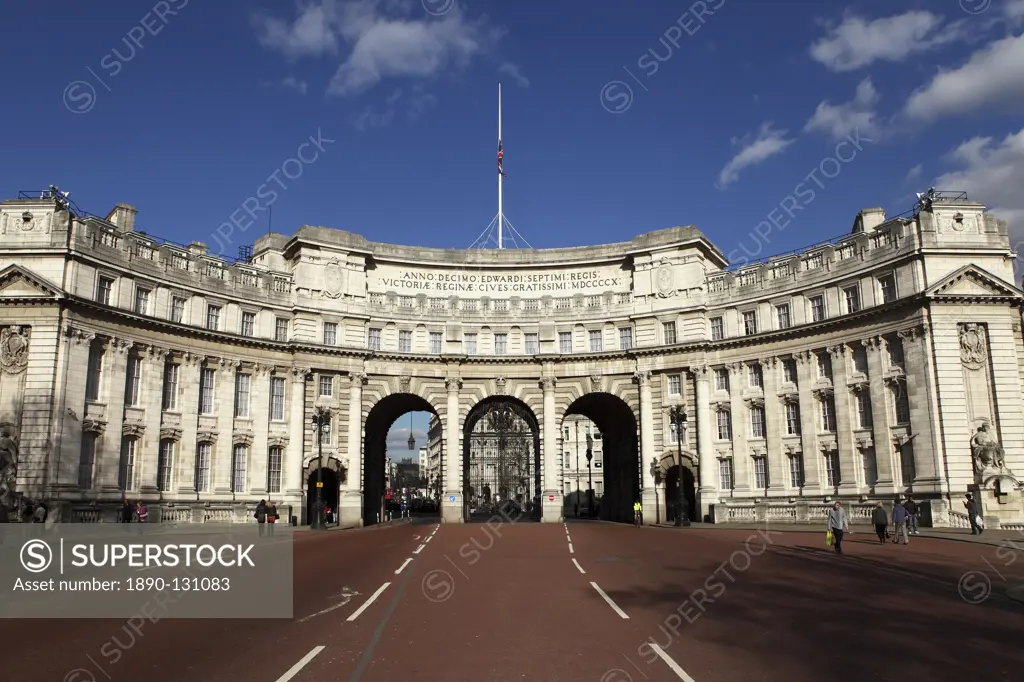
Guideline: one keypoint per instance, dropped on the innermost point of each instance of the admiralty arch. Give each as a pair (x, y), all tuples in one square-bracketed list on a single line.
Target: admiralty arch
[(885, 362)]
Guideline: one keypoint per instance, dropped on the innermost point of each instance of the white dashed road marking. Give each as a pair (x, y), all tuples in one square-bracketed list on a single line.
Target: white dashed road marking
[(418, 549), (300, 665), (579, 567), (609, 600), (369, 601), (670, 663), (570, 549), (407, 562)]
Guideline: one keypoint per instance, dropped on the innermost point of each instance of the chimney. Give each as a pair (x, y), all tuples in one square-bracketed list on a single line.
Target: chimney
[(123, 216), (197, 249), (868, 219)]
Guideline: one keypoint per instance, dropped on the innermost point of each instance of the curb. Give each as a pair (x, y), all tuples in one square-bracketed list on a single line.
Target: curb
[(782, 529)]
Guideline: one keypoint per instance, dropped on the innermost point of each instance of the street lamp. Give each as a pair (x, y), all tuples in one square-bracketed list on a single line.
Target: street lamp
[(577, 506), (590, 477), (656, 477), (679, 419), (321, 423)]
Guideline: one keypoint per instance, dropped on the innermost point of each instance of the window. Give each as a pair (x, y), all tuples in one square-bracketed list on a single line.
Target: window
[(792, 419), (164, 465), (133, 376), (469, 344), (902, 404), (141, 301), (852, 296), (404, 341), (896, 358), (789, 371), (86, 460), (203, 451), (831, 469), (725, 474), (177, 309), (782, 313), (326, 386), (760, 472), (864, 410), (724, 430), (860, 359), (721, 379), (625, 338), (248, 324), (170, 397), (213, 317), (755, 375), (94, 372), (757, 422), (500, 344), (870, 468), (887, 285), (595, 341), (532, 344), (675, 384), (717, 329), (325, 431), (824, 366), (104, 290), (907, 465), (126, 470), (274, 458), (796, 471), (564, 342), (669, 330), (435, 343), (828, 414), (373, 339), (817, 308), (750, 322), (243, 383), (673, 433), (238, 461), (281, 329), (277, 399), (206, 391), (330, 333)]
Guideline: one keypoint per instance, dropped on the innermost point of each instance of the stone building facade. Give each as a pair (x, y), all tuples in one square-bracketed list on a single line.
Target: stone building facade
[(857, 369)]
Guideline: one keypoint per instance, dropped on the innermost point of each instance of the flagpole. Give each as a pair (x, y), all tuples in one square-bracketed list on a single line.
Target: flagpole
[(501, 215)]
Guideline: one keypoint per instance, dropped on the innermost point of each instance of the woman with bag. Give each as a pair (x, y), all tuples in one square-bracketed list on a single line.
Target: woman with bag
[(261, 515), (271, 517), (836, 523)]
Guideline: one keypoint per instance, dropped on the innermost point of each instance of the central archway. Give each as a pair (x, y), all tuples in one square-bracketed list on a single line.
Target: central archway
[(375, 434), (618, 431), (501, 469)]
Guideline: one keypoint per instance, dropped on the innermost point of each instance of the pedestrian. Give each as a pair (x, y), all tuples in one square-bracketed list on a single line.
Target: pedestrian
[(911, 508), (261, 515), (126, 511), (881, 521), (836, 523), (974, 515), (141, 514), (271, 517), (638, 514), (39, 515), (900, 521)]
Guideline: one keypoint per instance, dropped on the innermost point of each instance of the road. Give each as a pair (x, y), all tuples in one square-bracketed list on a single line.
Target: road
[(584, 601)]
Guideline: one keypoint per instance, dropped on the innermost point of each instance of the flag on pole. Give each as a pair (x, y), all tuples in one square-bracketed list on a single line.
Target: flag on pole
[(500, 155)]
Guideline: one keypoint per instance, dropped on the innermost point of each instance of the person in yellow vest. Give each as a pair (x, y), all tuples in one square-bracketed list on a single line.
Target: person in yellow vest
[(638, 514)]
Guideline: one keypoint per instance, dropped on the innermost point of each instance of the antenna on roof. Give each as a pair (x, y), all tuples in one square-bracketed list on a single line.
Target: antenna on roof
[(245, 254)]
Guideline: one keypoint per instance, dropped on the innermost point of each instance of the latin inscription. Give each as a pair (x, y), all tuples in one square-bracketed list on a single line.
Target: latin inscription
[(483, 283)]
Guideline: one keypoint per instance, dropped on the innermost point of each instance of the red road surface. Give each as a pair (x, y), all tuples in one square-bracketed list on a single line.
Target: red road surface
[(507, 602)]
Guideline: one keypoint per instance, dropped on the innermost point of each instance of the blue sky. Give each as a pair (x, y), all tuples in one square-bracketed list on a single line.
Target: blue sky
[(619, 118)]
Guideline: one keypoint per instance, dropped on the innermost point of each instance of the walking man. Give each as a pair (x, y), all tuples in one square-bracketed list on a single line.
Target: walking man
[(911, 508), (837, 523), (261, 515), (900, 520), (974, 514), (881, 521)]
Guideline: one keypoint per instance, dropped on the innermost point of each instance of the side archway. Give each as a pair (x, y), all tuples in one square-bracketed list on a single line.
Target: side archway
[(501, 467), (617, 425), (670, 481)]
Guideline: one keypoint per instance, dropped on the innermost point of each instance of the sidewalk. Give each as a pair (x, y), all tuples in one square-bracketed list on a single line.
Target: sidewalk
[(989, 537)]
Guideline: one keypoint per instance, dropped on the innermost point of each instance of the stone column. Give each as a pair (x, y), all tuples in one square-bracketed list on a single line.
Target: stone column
[(259, 414), (451, 509), (77, 343), (224, 409), (108, 447), (775, 424), (552, 511), (350, 506), (647, 450), (151, 399), (740, 422), (705, 441), (882, 432), (810, 454), (191, 367), (295, 455), (848, 464), (923, 415)]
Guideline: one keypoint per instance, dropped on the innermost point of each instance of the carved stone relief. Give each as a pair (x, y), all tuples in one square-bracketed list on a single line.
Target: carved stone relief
[(972, 346), (334, 279), (13, 350)]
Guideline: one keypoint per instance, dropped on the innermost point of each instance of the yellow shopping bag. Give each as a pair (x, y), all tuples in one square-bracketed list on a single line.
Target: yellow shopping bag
[(829, 538)]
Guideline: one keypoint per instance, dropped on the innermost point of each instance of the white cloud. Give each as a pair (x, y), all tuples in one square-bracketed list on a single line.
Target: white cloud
[(992, 172), (416, 103), (914, 173), (1013, 10), (289, 83), (839, 120), (513, 70), (752, 151), (386, 38), (992, 77), (857, 42)]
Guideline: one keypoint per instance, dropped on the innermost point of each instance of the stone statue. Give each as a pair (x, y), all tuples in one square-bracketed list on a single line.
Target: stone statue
[(8, 469), (988, 454)]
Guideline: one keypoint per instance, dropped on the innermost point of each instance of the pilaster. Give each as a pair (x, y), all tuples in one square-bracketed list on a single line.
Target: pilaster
[(775, 422), (150, 400), (188, 407), (740, 416), (840, 355), (811, 456), (705, 440), (259, 415), (923, 419), (452, 509), (108, 447), (552, 510), (71, 409), (880, 418), (295, 459), (224, 409), (350, 506)]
